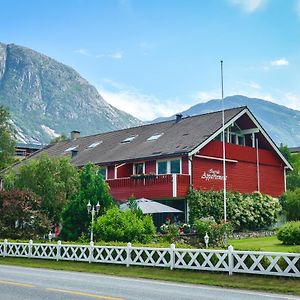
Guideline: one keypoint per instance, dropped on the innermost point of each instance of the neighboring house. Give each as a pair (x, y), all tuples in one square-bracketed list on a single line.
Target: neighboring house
[(162, 161), (24, 150)]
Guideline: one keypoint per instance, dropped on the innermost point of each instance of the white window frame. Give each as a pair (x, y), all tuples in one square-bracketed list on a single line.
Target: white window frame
[(169, 165), (138, 162)]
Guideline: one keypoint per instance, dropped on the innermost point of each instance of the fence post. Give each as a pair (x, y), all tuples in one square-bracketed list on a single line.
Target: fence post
[(58, 250), (91, 252), (5, 248), (172, 256), (30, 248), (230, 260), (128, 251)]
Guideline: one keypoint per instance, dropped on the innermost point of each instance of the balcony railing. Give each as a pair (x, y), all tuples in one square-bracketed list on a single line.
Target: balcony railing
[(153, 187)]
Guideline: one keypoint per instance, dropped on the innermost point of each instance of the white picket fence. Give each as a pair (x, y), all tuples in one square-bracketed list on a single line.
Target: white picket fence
[(231, 261)]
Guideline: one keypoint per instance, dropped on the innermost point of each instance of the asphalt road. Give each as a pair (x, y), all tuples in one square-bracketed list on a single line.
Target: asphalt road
[(18, 283)]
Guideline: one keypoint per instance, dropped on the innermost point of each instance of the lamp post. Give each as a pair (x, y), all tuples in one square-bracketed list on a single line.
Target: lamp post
[(206, 240), (91, 210), (50, 236)]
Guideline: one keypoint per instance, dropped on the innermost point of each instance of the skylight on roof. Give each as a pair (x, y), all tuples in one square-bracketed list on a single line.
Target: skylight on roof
[(94, 145), (71, 148), (129, 139), (154, 137)]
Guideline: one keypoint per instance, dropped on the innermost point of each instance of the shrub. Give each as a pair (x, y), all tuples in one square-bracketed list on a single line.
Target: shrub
[(289, 233), (21, 215), (215, 231), (245, 211), (124, 226), (291, 205), (171, 230)]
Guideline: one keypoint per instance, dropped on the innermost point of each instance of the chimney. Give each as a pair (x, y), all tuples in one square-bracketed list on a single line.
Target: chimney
[(75, 134), (74, 152), (178, 118)]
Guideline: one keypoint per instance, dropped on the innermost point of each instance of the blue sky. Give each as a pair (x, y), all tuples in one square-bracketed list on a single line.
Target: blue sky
[(155, 58)]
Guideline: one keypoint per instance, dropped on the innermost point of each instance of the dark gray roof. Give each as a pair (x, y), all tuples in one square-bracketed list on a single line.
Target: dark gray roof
[(177, 139), (294, 149)]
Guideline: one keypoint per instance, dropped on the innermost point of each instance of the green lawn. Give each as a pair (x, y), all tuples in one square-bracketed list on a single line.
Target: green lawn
[(241, 281), (271, 244)]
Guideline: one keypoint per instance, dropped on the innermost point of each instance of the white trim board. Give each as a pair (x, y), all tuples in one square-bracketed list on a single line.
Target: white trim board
[(216, 158)]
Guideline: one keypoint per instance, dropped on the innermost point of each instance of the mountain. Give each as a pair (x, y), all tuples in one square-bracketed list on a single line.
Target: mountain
[(282, 123), (47, 98)]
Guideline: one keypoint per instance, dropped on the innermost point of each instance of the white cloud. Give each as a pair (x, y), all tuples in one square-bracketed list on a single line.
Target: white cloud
[(279, 62), (139, 104), (112, 55), (248, 6), (82, 52), (149, 107)]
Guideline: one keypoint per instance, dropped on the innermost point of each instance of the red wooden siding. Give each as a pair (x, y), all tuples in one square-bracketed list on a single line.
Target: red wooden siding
[(125, 170), (185, 165), (183, 185), (158, 187), (111, 172), (241, 175), (150, 167)]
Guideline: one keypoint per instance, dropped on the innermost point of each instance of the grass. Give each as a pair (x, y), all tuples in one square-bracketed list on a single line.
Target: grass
[(268, 244), (241, 281)]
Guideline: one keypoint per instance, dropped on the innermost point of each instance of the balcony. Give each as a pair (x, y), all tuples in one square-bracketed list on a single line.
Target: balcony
[(154, 187)]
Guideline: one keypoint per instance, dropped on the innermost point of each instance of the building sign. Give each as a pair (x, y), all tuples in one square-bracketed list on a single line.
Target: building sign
[(212, 175)]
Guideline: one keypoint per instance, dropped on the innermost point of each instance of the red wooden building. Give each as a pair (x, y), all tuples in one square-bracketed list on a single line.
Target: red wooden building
[(162, 161)]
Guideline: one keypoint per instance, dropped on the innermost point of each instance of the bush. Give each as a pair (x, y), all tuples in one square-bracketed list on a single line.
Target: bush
[(291, 205), (289, 233), (124, 226), (21, 215), (245, 211), (215, 231), (171, 230)]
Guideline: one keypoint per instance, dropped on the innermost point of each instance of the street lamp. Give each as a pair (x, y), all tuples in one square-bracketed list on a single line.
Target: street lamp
[(91, 210)]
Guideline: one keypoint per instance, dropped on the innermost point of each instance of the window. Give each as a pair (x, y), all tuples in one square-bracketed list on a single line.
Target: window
[(102, 172), (175, 166), (138, 168), (162, 167), (71, 148), (168, 166), (129, 139), (94, 144), (154, 137)]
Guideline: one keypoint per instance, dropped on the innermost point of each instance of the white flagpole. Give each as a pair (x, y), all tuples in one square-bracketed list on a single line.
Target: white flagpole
[(224, 149), (257, 166)]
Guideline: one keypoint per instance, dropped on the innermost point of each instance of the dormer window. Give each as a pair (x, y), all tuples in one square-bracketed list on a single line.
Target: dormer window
[(154, 137), (71, 148), (94, 145), (129, 139)]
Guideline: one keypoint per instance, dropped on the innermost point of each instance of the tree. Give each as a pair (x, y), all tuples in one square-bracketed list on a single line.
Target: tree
[(58, 139), (21, 215), (292, 177), (7, 141), (75, 216), (55, 180)]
